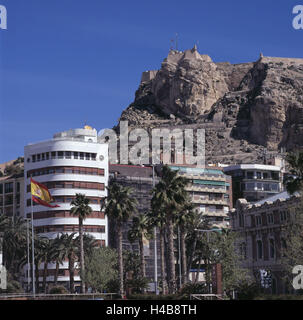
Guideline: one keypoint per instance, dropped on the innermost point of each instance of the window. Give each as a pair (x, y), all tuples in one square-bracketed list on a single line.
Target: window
[(59, 170), (76, 155), (38, 157), (250, 175), (241, 220), (8, 187), (34, 158), (94, 156), (271, 248), (250, 186), (18, 186), (266, 186), (265, 175), (59, 185), (68, 170), (60, 154), (1, 188), (87, 156), (47, 155), (258, 220), (68, 155), (43, 157), (81, 156), (270, 218), (53, 154), (283, 243), (202, 208), (259, 176), (283, 216), (243, 250), (259, 186), (259, 249), (274, 187)]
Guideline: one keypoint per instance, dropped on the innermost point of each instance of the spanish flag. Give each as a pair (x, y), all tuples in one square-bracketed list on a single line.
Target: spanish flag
[(41, 195)]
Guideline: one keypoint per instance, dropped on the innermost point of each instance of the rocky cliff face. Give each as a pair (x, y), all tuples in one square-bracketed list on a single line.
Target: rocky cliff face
[(244, 107)]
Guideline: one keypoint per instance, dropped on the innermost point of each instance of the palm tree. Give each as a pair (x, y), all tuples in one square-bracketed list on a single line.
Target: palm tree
[(184, 220), (141, 228), (14, 242), (170, 191), (119, 207), (47, 256), (70, 247), (57, 255), (81, 209), (197, 222), (158, 220)]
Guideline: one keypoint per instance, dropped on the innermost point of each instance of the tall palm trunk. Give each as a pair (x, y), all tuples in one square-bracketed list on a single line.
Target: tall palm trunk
[(120, 257), (56, 273), (183, 256), (44, 275), (171, 254), (191, 258), (142, 262), (71, 269), (81, 255), (37, 276), (162, 253)]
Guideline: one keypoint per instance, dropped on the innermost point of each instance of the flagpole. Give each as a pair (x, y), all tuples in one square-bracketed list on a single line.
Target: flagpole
[(33, 248), (28, 263)]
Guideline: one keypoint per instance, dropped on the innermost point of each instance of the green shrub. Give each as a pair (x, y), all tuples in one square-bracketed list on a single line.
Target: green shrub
[(193, 288), (248, 291), (58, 290)]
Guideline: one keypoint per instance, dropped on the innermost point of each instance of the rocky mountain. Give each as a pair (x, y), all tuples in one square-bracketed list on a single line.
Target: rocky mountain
[(244, 108)]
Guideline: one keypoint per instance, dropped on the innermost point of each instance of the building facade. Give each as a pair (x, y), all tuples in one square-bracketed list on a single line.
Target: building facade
[(12, 196), (140, 179), (211, 190), (255, 182), (72, 162), (260, 226)]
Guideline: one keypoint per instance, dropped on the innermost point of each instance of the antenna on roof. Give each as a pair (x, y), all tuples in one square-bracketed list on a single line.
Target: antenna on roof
[(171, 44)]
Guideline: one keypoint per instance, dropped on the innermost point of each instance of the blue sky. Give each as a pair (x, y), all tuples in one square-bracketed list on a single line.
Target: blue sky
[(67, 62)]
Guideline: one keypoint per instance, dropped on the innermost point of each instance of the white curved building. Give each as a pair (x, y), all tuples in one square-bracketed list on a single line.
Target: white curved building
[(72, 162)]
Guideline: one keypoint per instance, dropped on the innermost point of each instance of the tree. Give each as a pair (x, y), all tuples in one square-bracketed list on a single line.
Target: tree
[(292, 241), (13, 170), (198, 221), (184, 220), (295, 182), (14, 242), (57, 255), (224, 251), (158, 220), (120, 206), (101, 269), (141, 228), (70, 247), (81, 209), (132, 273), (170, 193)]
